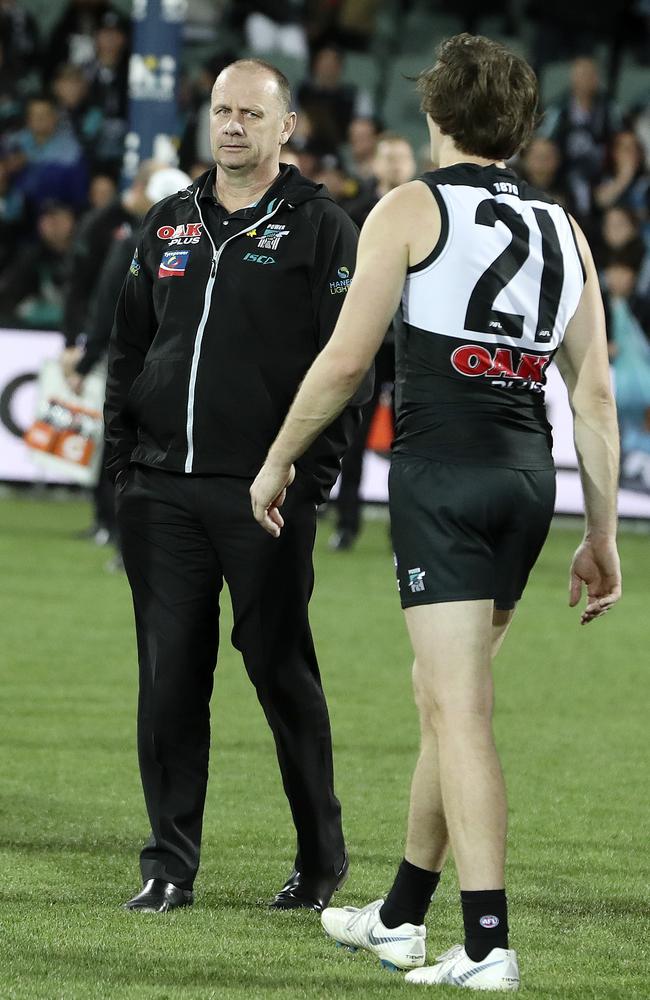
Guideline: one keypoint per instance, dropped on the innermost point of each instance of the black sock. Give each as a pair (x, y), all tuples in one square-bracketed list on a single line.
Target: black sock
[(409, 898), (485, 915)]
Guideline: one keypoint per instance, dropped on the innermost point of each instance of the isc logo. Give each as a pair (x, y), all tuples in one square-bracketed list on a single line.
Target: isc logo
[(259, 258)]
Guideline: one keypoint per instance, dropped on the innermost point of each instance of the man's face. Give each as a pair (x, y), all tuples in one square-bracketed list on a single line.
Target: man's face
[(56, 227), (620, 280), (42, 119), (618, 228), (248, 121), (70, 89), (110, 43), (328, 66), (394, 163), (542, 160), (584, 77), (362, 137)]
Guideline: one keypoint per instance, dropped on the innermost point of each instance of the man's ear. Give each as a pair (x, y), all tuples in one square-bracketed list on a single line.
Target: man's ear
[(288, 127)]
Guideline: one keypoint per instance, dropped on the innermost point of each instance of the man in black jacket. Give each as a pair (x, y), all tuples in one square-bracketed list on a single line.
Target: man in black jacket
[(235, 286)]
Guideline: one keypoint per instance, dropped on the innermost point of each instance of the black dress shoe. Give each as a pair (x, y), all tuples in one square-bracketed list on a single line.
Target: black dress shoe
[(308, 891), (158, 896)]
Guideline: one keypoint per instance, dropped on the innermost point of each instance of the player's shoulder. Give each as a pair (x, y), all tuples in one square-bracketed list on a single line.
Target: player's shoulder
[(403, 200), (493, 179)]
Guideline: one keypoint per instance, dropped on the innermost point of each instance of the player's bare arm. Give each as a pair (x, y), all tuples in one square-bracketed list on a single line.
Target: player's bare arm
[(583, 363), (385, 252)]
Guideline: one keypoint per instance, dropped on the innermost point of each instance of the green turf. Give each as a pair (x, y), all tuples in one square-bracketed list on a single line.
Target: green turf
[(571, 724)]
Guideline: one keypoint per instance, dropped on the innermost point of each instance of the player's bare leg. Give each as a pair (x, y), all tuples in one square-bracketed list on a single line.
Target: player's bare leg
[(501, 621), (453, 649), (427, 838)]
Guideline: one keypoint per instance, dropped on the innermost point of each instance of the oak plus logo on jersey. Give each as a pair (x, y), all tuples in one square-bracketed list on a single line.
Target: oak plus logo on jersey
[(187, 232), (476, 361)]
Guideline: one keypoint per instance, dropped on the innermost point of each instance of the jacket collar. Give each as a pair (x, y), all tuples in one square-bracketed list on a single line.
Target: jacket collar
[(290, 184), (207, 192)]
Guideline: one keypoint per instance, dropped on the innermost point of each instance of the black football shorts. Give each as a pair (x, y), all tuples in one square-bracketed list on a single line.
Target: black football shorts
[(466, 532)]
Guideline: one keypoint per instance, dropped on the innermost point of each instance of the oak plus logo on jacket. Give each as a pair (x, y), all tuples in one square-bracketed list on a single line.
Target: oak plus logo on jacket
[(173, 264), (189, 232)]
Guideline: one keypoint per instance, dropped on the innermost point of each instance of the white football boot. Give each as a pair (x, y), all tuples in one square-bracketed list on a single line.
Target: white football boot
[(497, 971), (400, 947)]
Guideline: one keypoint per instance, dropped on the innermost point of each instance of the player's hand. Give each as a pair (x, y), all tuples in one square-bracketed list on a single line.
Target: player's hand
[(597, 566), (268, 493)]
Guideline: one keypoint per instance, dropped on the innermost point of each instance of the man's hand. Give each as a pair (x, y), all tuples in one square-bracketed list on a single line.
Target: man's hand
[(595, 564), (268, 493)]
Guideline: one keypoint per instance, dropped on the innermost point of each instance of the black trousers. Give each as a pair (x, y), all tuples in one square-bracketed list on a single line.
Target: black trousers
[(182, 536)]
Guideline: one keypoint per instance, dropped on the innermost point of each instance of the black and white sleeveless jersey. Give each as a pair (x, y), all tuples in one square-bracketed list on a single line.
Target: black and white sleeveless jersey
[(482, 317)]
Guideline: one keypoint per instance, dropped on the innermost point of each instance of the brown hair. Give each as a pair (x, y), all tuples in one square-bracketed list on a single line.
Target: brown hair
[(482, 95), (284, 87)]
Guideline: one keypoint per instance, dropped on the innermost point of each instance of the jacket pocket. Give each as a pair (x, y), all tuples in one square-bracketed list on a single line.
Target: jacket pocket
[(158, 401)]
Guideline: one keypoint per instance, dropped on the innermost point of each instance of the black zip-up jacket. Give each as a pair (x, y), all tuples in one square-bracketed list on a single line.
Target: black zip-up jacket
[(218, 320)]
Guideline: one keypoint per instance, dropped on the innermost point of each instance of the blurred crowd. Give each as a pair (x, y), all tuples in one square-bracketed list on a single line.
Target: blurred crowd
[(64, 113)]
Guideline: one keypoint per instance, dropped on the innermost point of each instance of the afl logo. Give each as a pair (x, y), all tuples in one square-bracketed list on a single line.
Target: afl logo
[(489, 921)]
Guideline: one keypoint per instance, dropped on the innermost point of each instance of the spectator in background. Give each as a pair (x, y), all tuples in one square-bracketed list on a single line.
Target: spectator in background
[(620, 231), (102, 191), (45, 160), (331, 172), (107, 78), (393, 164), (162, 182), (276, 26), (582, 126), (72, 39), (350, 22), (11, 105), (363, 135), (565, 30), (70, 89), (626, 181), (330, 102), (19, 38), (93, 241), (541, 166), (630, 351), (32, 285)]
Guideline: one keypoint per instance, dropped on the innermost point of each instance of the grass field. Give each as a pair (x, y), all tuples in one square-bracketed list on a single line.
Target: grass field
[(571, 724)]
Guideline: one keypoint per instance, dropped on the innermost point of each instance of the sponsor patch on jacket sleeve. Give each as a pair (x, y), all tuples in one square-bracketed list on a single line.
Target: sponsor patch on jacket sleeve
[(340, 284), (173, 264)]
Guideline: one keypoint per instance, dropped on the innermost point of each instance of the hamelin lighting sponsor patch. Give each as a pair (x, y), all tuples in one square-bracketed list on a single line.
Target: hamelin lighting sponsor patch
[(173, 264)]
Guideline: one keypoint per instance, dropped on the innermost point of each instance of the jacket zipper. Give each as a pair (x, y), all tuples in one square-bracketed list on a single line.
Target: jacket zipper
[(207, 302)]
